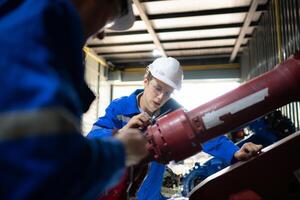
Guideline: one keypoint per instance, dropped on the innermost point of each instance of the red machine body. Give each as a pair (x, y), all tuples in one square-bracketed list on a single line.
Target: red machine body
[(179, 134), (273, 174)]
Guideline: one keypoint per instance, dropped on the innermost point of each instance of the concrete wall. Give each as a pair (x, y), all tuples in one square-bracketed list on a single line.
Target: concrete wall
[(96, 80)]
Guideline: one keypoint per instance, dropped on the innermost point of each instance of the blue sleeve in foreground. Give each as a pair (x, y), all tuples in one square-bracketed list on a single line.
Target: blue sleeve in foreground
[(108, 153), (99, 132)]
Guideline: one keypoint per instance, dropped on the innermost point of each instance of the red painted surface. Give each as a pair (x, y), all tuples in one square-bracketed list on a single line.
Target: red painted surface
[(270, 175), (179, 134)]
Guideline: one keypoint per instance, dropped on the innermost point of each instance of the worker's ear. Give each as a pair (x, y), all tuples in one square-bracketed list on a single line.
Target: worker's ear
[(146, 82)]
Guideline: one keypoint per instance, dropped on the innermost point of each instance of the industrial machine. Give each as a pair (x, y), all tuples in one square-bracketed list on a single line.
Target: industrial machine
[(274, 174), (200, 172), (179, 135), (265, 130)]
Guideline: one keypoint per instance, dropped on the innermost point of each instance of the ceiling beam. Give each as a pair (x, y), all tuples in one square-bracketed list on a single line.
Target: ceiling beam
[(203, 12), (203, 59), (184, 60), (243, 31), (166, 41), (167, 50), (191, 67), (150, 29), (148, 55), (170, 30)]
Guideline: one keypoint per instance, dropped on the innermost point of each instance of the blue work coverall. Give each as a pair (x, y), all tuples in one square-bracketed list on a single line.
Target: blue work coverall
[(121, 110), (43, 95)]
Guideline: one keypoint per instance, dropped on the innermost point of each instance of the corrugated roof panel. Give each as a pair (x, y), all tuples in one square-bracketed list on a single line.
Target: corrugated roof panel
[(208, 20), (197, 29), (197, 34), (126, 38), (202, 33), (125, 48), (170, 53), (201, 44), (172, 6), (201, 52), (128, 56)]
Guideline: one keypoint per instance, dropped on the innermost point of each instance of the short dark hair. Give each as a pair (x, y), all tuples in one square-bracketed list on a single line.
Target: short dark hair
[(148, 75)]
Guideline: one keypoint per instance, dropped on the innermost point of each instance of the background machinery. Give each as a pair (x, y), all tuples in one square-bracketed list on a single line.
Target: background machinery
[(180, 134)]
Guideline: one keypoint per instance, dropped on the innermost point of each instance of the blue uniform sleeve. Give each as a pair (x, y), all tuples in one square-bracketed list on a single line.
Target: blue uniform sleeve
[(105, 125), (221, 147), (152, 184), (59, 166), (49, 164), (109, 173)]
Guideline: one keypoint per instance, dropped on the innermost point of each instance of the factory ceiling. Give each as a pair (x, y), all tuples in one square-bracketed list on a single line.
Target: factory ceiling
[(196, 32)]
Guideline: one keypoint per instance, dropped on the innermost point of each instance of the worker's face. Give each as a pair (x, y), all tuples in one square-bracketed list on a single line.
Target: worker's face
[(156, 93)]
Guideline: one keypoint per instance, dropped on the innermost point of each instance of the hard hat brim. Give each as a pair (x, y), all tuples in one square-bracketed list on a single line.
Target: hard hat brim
[(125, 22)]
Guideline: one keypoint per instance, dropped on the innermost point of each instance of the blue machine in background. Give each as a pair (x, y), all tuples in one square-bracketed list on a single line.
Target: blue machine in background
[(201, 172), (265, 130)]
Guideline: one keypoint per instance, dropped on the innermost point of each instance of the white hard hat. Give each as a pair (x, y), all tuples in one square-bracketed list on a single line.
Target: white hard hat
[(167, 70), (124, 22)]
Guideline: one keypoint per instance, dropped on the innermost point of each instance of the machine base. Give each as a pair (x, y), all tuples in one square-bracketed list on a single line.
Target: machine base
[(274, 174)]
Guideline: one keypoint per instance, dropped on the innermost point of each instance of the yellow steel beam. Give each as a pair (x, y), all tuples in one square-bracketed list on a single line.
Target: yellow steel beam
[(99, 59)]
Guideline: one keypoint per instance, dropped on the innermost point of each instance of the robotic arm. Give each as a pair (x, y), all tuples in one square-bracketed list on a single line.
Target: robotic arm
[(179, 135)]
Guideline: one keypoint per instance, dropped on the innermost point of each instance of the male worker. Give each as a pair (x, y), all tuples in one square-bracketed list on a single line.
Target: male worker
[(43, 95), (161, 78)]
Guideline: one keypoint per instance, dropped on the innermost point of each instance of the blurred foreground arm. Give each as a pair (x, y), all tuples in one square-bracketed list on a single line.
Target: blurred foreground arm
[(134, 144)]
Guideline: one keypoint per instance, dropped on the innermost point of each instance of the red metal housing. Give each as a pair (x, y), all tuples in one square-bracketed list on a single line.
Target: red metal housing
[(180, 134)]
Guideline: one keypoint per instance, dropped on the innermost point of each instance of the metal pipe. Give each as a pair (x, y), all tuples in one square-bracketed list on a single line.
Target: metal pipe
[(180, 134)]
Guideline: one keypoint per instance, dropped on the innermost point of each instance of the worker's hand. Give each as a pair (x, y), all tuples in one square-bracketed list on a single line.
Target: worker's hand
[(141, 121), (135, 145), (247, 151)]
